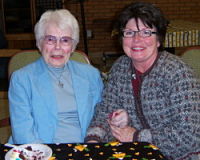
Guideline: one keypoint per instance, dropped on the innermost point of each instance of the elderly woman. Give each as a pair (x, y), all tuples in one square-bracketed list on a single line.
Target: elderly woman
[(52, 100), (151, 95)]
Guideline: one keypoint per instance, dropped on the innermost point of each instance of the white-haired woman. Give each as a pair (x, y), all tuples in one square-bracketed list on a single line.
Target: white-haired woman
[(52, 100)]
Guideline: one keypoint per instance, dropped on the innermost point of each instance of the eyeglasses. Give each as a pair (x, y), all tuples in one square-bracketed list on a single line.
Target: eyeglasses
[(51, 40), (142, 33)]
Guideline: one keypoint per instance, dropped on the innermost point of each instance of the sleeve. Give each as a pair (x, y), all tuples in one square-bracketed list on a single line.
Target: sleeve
[(95, 97), (179, 134), (99, 129), (22, 123), (99, 87)]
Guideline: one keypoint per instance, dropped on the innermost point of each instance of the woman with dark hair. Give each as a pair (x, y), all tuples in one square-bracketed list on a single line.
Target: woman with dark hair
[(151, 95)]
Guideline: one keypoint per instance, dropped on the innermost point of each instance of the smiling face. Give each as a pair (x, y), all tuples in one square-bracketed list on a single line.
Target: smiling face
[(58, 53), (142, 50)]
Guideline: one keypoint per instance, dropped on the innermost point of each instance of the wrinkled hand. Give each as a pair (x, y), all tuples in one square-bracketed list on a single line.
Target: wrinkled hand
[(92, 141), (123, 134), (119, 118)]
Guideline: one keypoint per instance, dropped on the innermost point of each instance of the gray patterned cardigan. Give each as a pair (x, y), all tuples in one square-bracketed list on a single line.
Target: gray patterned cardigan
[(169, 100)]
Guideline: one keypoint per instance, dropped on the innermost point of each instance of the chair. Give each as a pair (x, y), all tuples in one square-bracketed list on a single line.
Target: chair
[(4, 121), (80, 57), (191, 56), (25, 57), (21, 59)]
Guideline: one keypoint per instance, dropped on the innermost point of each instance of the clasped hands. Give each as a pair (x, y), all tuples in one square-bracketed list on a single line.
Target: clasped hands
[(118, 122)]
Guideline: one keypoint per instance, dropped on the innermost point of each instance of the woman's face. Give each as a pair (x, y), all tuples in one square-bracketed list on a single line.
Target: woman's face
[(142, 50), (56, 45)]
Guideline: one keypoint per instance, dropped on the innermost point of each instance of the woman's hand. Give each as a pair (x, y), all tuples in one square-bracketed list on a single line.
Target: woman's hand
[(123, 134), (92, 141), (119, 118), (118, 121)]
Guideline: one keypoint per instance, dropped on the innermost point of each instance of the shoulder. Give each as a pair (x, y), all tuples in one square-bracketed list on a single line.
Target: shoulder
[(33, 68), (85, 72), (121, 66), (170, 58), (120, 70), (122, 62), (172, 67), (82, 69), (172, 62)]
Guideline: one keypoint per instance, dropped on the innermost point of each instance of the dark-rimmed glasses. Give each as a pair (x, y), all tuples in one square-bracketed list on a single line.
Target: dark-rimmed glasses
[(127, 33), (52, 40)]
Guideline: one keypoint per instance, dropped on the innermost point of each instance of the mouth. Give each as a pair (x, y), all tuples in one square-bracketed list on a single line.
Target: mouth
[(137, 48), (57, 56)]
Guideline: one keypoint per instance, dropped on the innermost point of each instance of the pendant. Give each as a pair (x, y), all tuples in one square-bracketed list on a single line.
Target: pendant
[(60, 84), (133, 76)]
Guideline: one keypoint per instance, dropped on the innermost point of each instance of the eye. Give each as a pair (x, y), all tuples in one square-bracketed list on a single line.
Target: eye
[(50, 38), (128, 33), (147, 32), (65, 39)]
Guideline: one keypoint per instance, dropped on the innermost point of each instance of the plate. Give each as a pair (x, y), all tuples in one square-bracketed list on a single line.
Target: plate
[(46, 150)]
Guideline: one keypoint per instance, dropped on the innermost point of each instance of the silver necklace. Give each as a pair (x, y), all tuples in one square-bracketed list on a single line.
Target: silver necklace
[(58, 78), (60, 84)]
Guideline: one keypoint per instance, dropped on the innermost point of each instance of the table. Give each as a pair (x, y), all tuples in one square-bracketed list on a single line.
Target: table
[(102, 151), (182, 34)]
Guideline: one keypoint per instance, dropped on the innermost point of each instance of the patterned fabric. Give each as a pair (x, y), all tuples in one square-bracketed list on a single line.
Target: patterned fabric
[(169, 101), (102, 151)]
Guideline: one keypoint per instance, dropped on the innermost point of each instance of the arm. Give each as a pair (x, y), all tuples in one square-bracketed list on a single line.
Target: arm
[(177, 133), (22, 123), (99, 130)]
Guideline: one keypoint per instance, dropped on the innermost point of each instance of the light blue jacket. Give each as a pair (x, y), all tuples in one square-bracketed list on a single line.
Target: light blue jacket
[(32, 101)]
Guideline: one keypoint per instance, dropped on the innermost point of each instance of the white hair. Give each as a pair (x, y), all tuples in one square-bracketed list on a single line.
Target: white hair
[(62, 18)]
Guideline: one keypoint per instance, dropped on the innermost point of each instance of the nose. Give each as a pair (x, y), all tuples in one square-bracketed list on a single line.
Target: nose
[(137, 37), (58, 44)]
